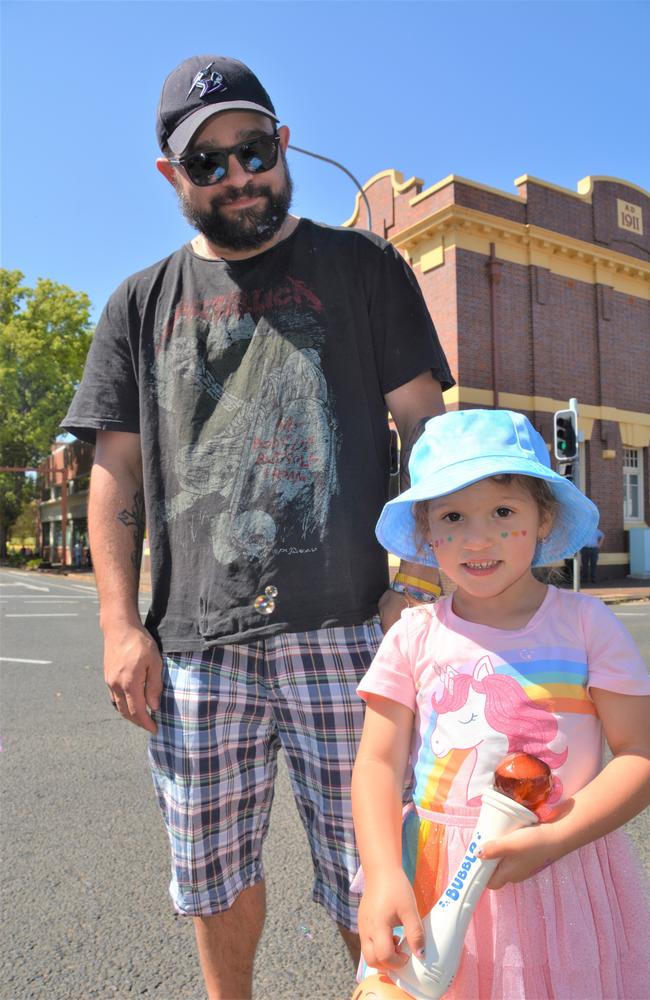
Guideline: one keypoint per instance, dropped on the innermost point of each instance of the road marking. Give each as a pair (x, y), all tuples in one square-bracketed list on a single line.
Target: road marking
[(45, 614), (50, 599), (629, 614), (30, 586), (14, 659)]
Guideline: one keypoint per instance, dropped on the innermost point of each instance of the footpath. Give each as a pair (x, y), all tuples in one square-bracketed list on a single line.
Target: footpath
[(619, 591), (616, 591)]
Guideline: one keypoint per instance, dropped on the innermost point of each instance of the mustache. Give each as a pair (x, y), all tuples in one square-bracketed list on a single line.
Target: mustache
[(249, 190)]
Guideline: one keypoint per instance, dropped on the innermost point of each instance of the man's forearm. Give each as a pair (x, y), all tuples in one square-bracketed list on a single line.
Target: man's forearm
[(414, 570), (116, 530), (419, 577), (411, 406)]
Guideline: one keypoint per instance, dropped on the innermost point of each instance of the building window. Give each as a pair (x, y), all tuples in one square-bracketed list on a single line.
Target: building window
[(632, 484)]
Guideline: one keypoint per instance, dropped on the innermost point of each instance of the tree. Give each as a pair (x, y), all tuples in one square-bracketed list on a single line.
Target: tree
[(24, 527), (45, 333)]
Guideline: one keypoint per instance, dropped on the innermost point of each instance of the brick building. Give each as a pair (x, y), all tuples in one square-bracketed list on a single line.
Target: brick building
[(537, 297), (64, 480)]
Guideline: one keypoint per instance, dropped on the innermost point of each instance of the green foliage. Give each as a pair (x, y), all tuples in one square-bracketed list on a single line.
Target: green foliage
[(16, 491), (45, 333), (14, 558), (23, 531)]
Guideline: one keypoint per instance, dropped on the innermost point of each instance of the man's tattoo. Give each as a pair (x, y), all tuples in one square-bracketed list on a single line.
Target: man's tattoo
[(405, 453), (135, 519)]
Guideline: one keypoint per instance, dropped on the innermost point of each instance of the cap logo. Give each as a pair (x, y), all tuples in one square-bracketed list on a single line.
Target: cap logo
[(207, 82)]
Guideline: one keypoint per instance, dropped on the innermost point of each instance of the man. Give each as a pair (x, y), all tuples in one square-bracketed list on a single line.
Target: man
[(237, 392), (589, 555)]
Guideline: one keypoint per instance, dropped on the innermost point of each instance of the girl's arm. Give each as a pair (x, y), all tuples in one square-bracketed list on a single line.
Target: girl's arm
[(377, 784), (616, 795)]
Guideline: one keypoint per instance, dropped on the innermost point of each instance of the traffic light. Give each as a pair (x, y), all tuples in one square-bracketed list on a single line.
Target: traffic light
[(565, 435), (568, 471)]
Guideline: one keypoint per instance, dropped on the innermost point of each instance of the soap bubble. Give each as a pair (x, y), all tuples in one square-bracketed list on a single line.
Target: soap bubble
[(271, 591), (264, 605)]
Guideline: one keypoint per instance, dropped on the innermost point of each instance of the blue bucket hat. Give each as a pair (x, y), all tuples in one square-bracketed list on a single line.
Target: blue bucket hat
[(464, 446)]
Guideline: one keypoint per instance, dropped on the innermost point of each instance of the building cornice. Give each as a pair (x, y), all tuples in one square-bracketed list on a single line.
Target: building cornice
[(457, 179), (398, 184), (634, 424), (585, 186), (426, 241), (584, 192)]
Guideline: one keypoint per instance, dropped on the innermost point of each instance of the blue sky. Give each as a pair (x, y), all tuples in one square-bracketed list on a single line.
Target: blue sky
[(486, 90)]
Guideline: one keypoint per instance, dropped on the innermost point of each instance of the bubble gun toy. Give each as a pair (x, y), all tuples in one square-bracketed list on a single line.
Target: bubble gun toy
[(522, 783)]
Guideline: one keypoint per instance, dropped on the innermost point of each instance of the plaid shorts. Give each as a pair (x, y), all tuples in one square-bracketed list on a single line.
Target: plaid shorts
[(224, 714)]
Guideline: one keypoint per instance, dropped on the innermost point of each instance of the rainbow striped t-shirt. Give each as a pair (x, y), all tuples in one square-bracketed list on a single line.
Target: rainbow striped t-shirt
[(479, 692)]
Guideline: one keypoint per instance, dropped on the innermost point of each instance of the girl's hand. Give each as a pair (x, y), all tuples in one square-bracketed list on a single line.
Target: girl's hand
[(387, 903), (521, 854)]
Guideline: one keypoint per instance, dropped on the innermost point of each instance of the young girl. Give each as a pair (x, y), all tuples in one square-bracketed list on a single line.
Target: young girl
[(505, 663)]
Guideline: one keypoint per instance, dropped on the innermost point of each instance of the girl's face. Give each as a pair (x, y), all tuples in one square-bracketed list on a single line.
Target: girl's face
[(484, 536)]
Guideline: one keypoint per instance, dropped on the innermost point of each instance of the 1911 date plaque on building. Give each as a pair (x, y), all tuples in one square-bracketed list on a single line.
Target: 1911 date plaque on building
[(630, 216)]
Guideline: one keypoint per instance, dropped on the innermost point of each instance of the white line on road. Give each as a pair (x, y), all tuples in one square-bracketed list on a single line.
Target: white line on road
[(629, 614), (45, 614), (14, 659), (30, 586), (51, 599)]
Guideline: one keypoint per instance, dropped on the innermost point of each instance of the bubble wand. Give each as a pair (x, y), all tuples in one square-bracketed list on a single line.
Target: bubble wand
[(522, 783)]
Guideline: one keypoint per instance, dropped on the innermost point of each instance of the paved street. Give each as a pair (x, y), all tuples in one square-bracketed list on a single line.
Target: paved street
[(85, 857), (85, 860)]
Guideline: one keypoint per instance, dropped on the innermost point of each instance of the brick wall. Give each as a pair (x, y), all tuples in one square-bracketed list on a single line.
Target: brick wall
[(556, 336), (440, 291)]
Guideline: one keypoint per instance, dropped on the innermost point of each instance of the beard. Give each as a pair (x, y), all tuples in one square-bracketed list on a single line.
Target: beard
[(251, 228)]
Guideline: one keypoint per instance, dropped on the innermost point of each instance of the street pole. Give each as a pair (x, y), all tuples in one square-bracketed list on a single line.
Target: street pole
[(335, 163), (580, 482), (64, 514)]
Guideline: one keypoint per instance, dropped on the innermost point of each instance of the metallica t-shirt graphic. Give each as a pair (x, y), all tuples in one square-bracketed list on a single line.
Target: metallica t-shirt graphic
[(262, 440), (257, 388)]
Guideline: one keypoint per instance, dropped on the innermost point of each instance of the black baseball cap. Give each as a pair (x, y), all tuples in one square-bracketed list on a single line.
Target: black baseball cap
[(203, 86)]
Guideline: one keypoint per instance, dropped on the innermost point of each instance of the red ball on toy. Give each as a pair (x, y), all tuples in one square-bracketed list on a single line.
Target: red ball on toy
[(524, 778)]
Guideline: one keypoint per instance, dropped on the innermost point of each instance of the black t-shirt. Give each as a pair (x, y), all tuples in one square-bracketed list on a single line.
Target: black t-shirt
[(257, 388)]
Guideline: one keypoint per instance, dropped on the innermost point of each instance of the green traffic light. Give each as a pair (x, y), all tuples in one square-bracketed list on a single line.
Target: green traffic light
[(566, 444)]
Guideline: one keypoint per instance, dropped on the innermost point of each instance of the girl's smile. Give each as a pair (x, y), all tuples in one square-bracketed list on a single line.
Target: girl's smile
[(483, 568)]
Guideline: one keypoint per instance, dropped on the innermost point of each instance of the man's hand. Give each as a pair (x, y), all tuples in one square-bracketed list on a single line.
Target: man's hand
[(391, 604), (385, 905), (133, 673)]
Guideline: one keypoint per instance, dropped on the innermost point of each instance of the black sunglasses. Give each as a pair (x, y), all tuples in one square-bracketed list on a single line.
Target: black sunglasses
[(209, 166)]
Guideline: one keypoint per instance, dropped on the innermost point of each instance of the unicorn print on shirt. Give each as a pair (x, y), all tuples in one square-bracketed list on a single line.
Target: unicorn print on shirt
[(491, 714)]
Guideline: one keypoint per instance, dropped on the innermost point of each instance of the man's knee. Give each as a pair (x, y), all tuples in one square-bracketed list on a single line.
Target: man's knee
[(249, 909)]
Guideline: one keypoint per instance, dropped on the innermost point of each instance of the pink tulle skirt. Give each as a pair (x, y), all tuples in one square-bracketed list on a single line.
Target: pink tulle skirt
[(578, 930)]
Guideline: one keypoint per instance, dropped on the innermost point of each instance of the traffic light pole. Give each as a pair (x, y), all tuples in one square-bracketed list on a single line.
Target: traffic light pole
[(580, 481), (568, 448)]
